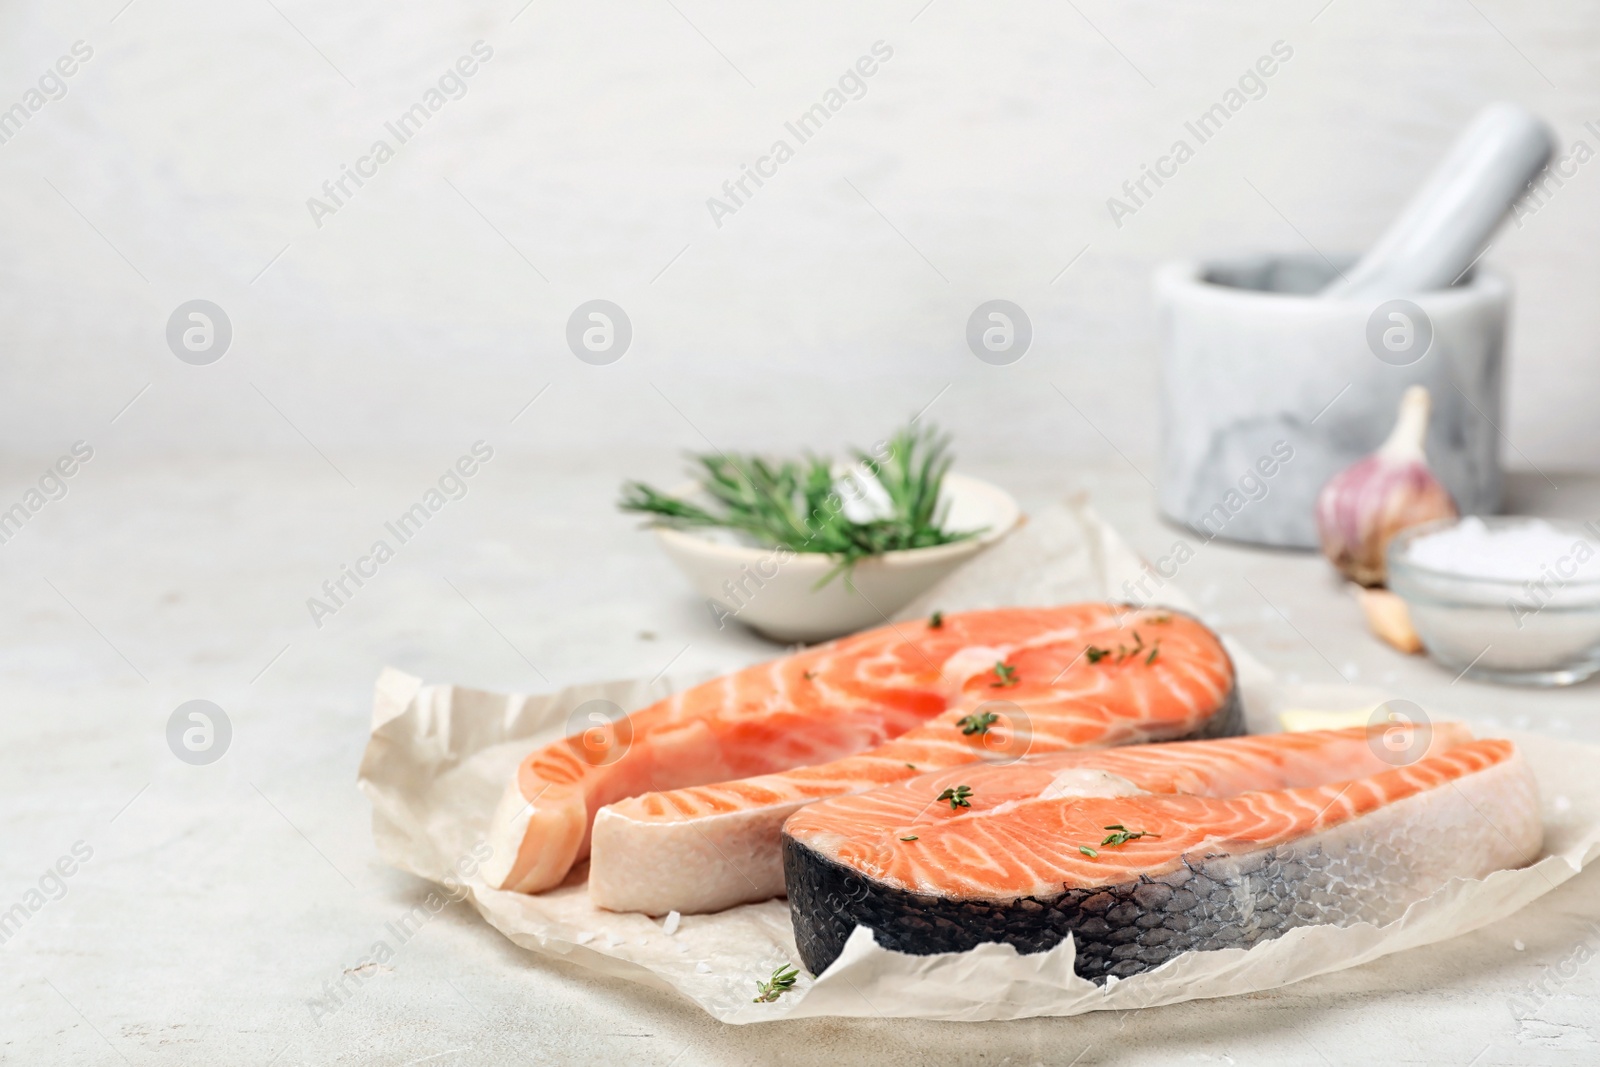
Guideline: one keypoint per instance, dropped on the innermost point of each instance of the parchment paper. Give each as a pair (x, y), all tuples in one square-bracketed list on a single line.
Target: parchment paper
[(440, 756)]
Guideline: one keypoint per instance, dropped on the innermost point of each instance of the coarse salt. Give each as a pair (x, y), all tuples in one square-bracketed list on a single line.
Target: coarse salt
[(1509, 552)]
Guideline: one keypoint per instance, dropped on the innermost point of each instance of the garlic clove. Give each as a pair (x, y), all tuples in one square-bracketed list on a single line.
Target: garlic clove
[(1362, 507), (1389, 618)]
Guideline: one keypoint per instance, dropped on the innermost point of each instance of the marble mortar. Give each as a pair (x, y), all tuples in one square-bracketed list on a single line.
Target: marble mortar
[(1255, 367)]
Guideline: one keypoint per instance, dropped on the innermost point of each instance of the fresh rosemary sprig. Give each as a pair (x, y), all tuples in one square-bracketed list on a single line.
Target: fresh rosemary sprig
[(956, 796), (936, 621), (797, 505), (1006, 674), (1095, 655), (977, 723), (781, 982)]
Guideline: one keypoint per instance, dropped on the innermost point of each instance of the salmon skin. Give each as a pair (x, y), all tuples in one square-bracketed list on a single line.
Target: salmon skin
[(839, 699), (1144, 854), (1088, 676)]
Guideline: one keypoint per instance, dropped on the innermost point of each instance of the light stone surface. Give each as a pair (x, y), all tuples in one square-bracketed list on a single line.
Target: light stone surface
[(220, 899)]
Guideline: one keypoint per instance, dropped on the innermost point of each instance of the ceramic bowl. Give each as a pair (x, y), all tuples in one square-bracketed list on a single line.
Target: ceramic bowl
[(781, 599)]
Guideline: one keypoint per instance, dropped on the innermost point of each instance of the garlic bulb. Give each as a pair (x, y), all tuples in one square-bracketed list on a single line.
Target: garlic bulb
[(1364, 506)]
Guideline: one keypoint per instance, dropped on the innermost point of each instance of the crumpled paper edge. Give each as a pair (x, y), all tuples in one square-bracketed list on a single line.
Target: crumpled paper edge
[(426, 772)]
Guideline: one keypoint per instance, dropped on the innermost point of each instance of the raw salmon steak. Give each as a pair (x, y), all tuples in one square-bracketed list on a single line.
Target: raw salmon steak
[(1073, 678), (836, 700), (1142, 854)]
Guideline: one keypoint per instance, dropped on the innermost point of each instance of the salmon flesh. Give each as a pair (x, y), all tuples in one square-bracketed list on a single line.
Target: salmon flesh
[(1141, 854), (1034, 678)]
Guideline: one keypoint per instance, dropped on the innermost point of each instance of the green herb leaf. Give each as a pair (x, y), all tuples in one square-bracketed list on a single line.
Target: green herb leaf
[(1154, 652), (936, 621), (1007, 676), (913, 837), (956, 796), (798, 505), (1095, 655), (781, 982), (978, 723), (1123, 835), (1087, 851), (1127, 653)]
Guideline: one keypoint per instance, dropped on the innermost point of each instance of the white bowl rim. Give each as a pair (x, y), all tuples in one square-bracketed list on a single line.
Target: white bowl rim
[(825, 561)]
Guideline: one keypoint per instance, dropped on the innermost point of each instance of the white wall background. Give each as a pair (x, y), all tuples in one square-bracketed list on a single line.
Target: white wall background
[(179, 163)]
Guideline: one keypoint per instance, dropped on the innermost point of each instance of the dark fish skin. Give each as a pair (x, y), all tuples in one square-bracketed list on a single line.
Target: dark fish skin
[(1209, 902), (1227, 721)]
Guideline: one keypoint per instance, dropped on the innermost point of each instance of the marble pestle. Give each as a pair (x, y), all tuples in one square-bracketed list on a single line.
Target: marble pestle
[(1447, 224)]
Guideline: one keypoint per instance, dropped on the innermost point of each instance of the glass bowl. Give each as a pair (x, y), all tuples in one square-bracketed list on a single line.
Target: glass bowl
[(1543, 631)]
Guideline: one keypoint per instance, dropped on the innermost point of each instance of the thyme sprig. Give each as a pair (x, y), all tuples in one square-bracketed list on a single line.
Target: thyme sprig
[(798, 505), (957, 796), (1121, 835), (1095, 654), (977, 723), (1006, 674), (782, 980)]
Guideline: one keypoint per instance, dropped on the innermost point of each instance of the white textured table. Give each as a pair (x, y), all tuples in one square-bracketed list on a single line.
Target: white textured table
[(219, 901)]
